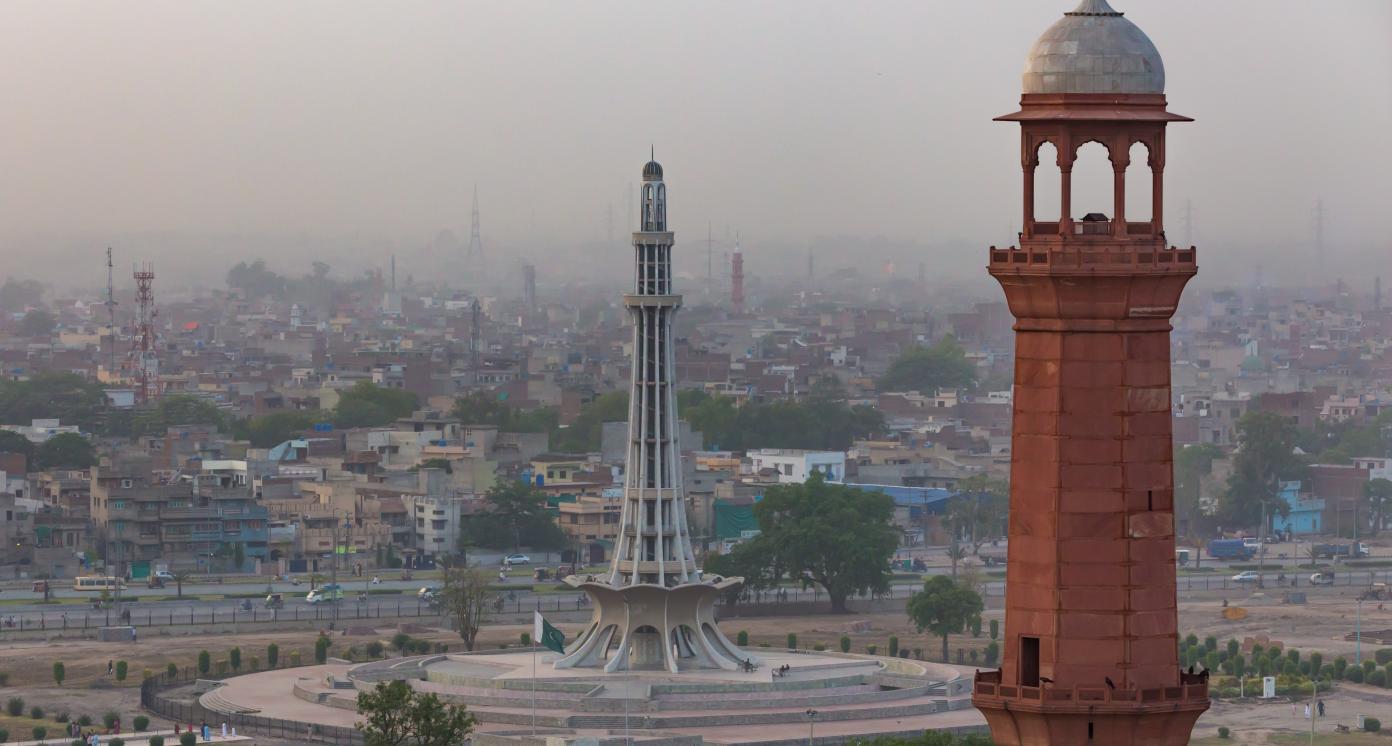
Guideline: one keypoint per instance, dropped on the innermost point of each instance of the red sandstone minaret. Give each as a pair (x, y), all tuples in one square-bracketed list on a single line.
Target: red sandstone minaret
[(737, 279), (1091, 633)]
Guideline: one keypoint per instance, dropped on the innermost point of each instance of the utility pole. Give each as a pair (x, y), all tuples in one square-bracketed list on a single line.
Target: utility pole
[(111, 310)]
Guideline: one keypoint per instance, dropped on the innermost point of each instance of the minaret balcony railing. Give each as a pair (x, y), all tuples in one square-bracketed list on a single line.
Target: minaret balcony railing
[(1192, 688), (1093, 257)]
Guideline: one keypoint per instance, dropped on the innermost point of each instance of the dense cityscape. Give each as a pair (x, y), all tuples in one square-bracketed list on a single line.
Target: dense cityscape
[(814, 498)]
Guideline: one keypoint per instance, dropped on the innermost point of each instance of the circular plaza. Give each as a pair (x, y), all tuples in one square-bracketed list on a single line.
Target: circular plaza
[(788, 695)]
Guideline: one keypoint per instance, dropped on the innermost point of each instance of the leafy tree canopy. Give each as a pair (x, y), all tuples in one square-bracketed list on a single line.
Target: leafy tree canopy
[(486, 408), (823, 421), (517, 517), (255, 280), (944, 607), (172, 411), (17, 295), (270, 430), (394, 714), (72, 399), (1265, 458), (13, 442), (65, 451), (37, 324), (586, 432), (928, 369), (369, 405), (835, 536)]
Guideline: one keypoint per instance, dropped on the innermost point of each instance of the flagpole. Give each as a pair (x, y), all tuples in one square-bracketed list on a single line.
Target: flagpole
[(534, 654)]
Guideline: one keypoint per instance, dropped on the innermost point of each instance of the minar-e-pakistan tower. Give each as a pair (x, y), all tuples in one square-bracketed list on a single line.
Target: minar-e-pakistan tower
[(1091, 638), (653, 602)]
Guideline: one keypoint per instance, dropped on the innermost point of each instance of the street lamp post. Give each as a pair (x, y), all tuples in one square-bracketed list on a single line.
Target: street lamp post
[(1358, 633), (811, 726)]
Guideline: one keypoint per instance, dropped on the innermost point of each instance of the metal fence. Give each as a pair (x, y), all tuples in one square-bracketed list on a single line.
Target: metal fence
[(153, 698)]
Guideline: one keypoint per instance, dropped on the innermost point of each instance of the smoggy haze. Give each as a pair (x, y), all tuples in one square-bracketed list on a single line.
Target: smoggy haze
[(196, 134)]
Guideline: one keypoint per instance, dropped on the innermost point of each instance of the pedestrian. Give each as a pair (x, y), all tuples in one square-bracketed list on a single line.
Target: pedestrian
[(108, 668), (1321, 708), (1292, 708), (1307, 710), (135, 636)]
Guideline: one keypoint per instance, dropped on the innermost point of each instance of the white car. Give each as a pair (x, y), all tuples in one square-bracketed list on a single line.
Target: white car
[(165, 575), (517, 559), (1322, 578), (1247, 576), (427, 593)]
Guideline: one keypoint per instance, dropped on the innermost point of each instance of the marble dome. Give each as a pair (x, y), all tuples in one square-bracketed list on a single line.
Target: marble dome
[(1094, 49)]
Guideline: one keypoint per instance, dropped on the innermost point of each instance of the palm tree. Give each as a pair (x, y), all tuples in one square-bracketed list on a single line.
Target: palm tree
[(179, 577), (956, 553)]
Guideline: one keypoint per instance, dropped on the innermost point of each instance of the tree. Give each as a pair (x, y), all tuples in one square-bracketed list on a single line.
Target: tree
[(180, 577), (13, 442), (369, 405), (255, 280), (956, 553), (979, 509), (584, 434), (835, 536), (944, 607), (1379, 495), (464, 597), (60, 672), (394, 714), (17, 295), (65, 451), (270, 430), (516, 517), (69, 398), (172, 411), (1265, 458), (928, 369), (37, 324)]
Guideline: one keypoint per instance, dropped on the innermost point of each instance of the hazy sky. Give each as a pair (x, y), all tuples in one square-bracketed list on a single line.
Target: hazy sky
[(196, 133)]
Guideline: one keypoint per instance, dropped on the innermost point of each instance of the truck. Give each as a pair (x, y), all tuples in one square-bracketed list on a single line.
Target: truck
[(1230, 549), (1356, 550)]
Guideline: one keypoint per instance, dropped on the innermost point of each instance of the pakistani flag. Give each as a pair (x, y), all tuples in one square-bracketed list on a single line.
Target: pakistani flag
[(547, 636)]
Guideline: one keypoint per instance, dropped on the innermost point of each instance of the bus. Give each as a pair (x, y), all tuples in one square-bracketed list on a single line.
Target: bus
[(98, 583)]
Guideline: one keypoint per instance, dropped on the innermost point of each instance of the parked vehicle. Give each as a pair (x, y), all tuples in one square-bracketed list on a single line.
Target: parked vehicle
[(1230, 549), (517, 559), (1375, 592), (1247, 576), (1181, 557), (275, 601), (98, 583), (163, 575), (1356, 550), (1322, 578), (427, 593), (1252, 543)]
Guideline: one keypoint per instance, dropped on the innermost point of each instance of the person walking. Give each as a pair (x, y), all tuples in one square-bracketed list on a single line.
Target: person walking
[(108, 668), (1320, 704), (1307, 710)]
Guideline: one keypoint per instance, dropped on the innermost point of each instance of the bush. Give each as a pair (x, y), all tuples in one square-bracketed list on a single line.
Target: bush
[(156, 740), (1368, 667), (1383, 656), (62, 717), (995, 628), (375, 649), (1377, 678), (1293, 655), (121, 669), (976, 626), (272, 655), (1372, 725), (188, 738), (321, 649), (1339, 665), (992, 652), (109, 719), (423, 647), (84, 721), (870, 649), (116, 742), (742, 639), (1223, 731), (1210, 643), (234, 656), (918, 653), (1234, 647), (254, 663), (1354, 674), (4, 735), (893, 646), (15, 707), (36, 713), (971, 654), (172, 671), (205, 662), (904, 653), (1229, 692), (140, 723), (1316, 664), (59, 673), (40, 733), (792, 641), (819, 647), (401, 641), (77, 742)]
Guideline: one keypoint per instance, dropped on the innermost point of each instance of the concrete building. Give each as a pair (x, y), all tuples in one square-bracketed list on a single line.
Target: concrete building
[(794, 466)]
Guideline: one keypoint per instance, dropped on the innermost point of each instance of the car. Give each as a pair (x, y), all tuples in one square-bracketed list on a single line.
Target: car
[(164, 575), (328, 593), (427, 593), (1322, 578), (1247, 576), (517, 559)]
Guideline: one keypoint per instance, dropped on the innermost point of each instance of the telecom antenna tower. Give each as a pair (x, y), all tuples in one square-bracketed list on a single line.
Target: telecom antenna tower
[(474, 256), (143, 352), (111, 310)]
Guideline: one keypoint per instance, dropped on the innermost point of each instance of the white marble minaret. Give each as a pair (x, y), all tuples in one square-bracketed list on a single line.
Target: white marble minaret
[(652, 602)]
